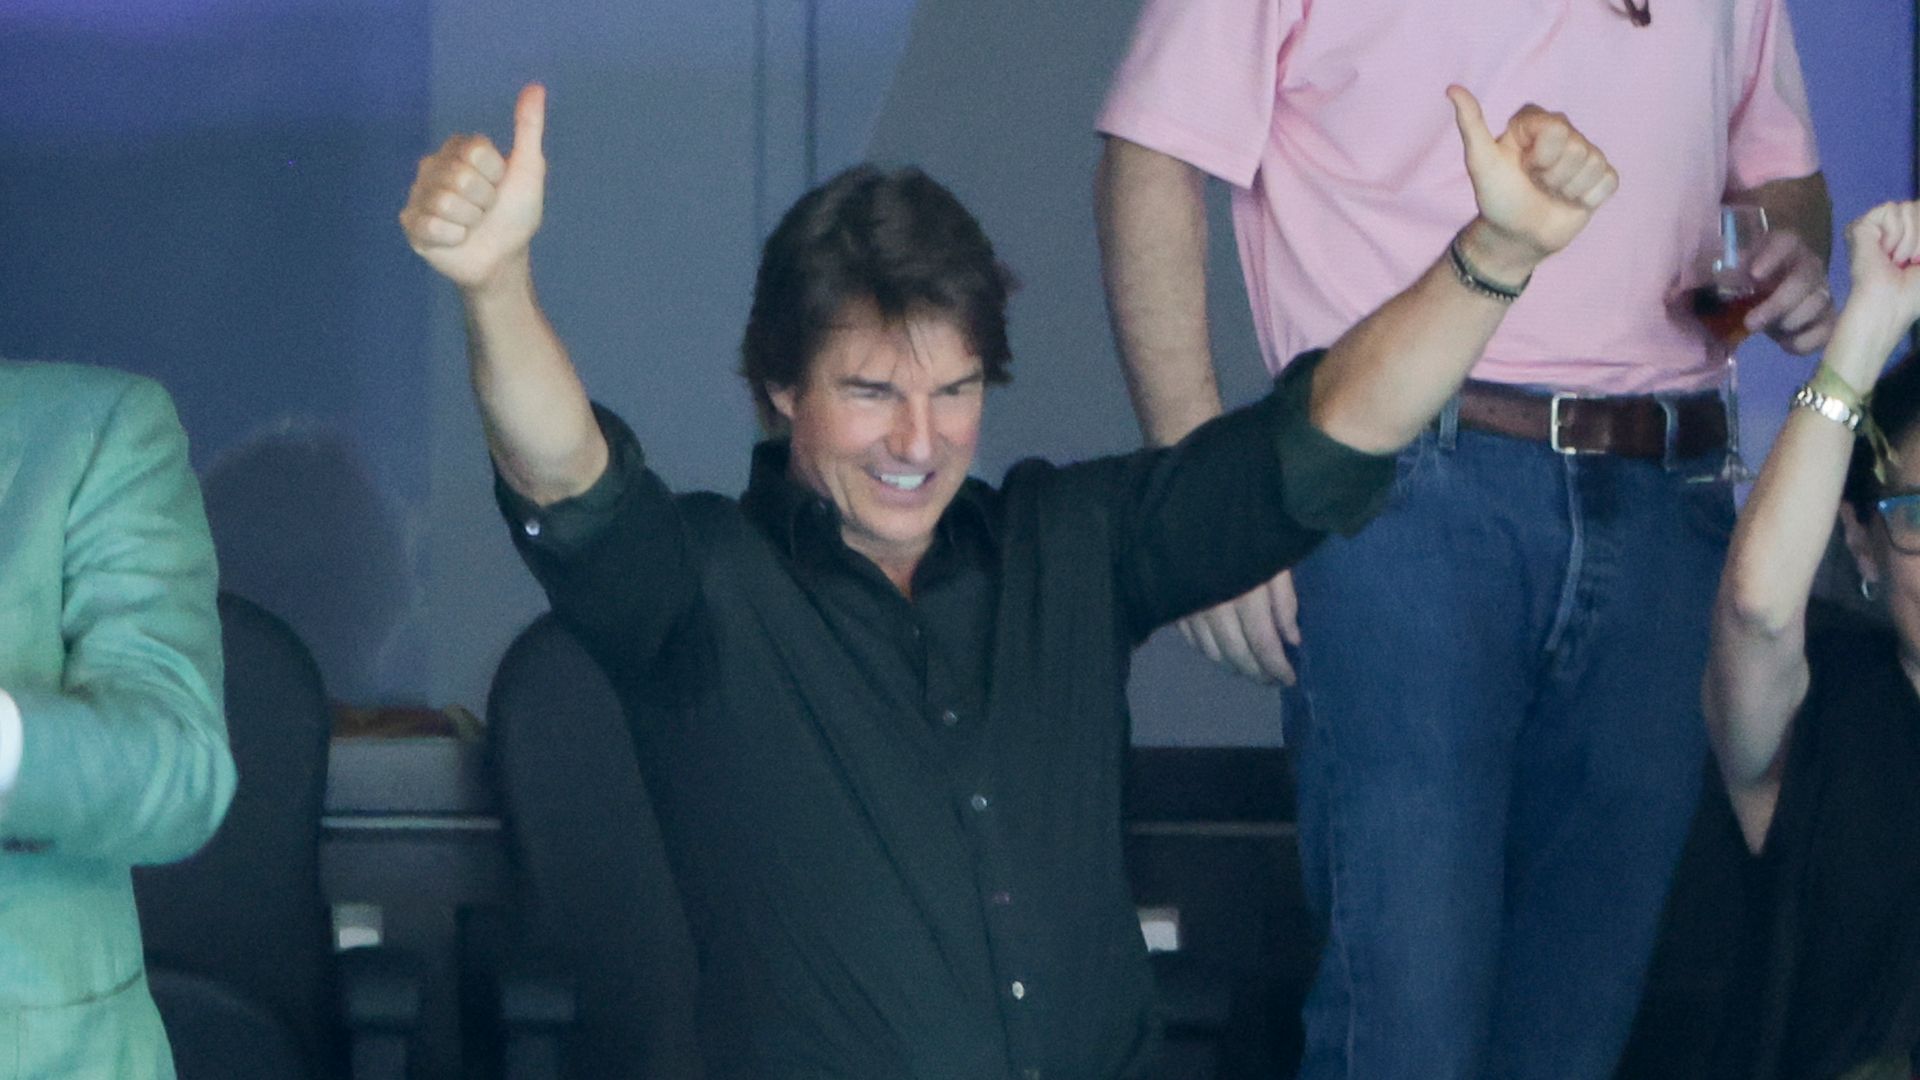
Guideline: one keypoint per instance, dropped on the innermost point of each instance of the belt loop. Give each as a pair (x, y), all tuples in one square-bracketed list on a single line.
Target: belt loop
[(1671, 455), (1447, 427)]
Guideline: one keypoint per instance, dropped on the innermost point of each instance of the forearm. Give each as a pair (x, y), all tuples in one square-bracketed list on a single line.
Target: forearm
[(539, 423), (1386, 378), (1799, 206), (1152, 218), (1756, 667), (1783, 532), (1756, 672)]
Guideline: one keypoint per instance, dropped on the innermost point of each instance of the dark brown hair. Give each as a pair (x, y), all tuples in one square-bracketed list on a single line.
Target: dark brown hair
[(894, 238)]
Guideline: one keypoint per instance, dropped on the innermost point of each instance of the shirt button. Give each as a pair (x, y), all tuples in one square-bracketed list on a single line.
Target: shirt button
[(949, 717), (1030, 1073), (1019, 990), (532, 527), (978, 802), (1001, 899)]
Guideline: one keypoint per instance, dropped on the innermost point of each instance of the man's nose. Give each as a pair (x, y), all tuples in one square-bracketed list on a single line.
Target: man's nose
[(912, 438)]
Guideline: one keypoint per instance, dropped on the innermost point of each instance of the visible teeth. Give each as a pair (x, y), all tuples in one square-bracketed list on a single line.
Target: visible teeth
[(904, 481)]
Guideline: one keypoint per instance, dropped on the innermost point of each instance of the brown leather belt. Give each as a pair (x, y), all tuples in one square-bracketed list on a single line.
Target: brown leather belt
[(1637, 426)]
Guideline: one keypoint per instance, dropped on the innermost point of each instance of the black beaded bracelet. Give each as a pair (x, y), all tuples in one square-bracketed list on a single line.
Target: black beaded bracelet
[(1471, 278)]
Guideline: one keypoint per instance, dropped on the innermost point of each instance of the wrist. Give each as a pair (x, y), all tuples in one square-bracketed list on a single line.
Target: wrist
[(511, 281), (1861, 343), (1499, 256)]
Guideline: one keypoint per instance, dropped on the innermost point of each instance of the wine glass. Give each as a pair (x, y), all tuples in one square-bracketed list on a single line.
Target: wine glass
[(1725, 291)]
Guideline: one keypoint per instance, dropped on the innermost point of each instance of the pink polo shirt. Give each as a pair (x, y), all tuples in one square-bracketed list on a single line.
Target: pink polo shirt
[(1330, 120)]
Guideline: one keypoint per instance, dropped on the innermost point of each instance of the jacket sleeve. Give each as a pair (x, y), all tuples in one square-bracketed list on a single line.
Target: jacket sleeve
[(126, 760)]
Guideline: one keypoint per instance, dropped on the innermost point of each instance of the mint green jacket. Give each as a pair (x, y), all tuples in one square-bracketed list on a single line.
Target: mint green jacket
[(110, 645)]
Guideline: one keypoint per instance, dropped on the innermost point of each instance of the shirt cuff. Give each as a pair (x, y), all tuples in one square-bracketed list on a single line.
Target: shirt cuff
[(11, 738), (1327, 486), (569, 525)]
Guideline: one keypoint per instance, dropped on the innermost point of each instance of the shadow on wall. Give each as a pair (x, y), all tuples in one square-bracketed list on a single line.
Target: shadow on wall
[(203, 191), (302, 530)]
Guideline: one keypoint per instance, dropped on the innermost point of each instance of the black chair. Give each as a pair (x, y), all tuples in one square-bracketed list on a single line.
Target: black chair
[(239, 940), (591, 973)]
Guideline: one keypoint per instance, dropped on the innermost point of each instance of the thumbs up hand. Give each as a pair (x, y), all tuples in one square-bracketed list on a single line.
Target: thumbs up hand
[(472, 212), (1537, 184)]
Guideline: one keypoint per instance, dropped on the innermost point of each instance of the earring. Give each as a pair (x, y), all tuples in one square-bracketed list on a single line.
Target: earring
[(1866, 590)]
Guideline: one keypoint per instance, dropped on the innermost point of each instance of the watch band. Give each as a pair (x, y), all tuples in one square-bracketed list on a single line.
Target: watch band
[(1830, 407)]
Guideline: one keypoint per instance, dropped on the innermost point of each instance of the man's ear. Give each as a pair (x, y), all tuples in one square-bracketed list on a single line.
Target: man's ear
[(782, 398)]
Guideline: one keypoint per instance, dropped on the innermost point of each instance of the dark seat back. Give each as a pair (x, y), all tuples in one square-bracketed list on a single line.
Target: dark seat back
[(239, 936), (591, 877)]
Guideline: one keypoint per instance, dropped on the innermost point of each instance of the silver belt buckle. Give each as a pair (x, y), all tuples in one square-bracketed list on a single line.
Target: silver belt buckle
[(1553, 424)]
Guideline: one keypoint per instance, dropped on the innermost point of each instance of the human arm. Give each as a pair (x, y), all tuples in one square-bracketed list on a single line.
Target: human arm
[(1536, 185), (472, 215), (616, 561), (1151, 211), (1757, 673), (1383, 381), (124, 758), (1772, 162), (1153, 241)]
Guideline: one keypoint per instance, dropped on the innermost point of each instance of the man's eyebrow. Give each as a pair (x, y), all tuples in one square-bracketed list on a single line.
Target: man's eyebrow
[(957, 384), (856, 382)]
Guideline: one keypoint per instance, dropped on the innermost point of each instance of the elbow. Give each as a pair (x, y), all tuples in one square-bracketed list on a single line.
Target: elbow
[(1756, 612), (1754, 604)]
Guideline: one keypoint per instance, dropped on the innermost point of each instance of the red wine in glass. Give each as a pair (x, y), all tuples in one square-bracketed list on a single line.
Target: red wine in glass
[(1722, 309)]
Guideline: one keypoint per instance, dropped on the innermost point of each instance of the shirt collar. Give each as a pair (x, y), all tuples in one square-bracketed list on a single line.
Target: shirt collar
[(794, 514)]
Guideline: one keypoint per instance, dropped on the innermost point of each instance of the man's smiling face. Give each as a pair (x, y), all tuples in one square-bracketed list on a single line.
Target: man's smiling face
[(884, 425)]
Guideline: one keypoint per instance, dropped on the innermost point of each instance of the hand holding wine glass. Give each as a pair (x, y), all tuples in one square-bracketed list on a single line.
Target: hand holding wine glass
[(1759, 278), (1727, 288)]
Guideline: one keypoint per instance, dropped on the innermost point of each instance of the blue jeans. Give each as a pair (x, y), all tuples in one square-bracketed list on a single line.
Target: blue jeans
[(1499, 744)]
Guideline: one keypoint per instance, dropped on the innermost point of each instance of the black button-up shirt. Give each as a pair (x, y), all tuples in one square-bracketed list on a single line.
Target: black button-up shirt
[(896, 824)]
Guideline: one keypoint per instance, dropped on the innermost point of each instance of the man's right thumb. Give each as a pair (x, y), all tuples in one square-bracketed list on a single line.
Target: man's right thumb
[(530, 120)]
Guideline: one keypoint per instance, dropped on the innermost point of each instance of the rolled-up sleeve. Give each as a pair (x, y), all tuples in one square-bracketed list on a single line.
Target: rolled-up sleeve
[(1325, 485), (1243, 497), (615, 560)]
